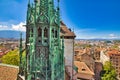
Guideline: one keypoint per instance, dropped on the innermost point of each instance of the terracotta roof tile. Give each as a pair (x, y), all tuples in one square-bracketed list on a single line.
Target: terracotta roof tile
[(82, 68), (8, 72), (113, 51)]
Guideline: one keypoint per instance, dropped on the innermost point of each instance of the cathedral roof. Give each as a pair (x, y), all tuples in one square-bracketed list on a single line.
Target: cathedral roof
[(67, 33)]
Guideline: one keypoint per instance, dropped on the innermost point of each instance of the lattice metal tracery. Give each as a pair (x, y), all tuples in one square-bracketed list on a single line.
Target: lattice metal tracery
[(41, 60)]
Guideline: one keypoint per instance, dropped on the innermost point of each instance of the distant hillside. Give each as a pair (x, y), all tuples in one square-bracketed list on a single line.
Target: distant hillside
[(11, 34)]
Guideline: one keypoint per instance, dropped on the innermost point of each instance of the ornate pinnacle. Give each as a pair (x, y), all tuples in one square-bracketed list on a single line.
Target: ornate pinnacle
[(28, 3), (35, 1), (58, 5)]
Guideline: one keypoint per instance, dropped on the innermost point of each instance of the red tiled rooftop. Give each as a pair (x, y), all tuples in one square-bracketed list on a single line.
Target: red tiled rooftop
[(83, 71), (8, 72), (65, 31), (82, 68), (113, 51)]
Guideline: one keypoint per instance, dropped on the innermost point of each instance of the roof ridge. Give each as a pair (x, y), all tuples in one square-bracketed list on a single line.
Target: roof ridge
[(7, 65)]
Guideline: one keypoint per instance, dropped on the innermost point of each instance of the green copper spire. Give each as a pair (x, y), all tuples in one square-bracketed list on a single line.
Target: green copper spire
[(28, 3), (58, 13), (28, 12), (44, 48), (35, 1)]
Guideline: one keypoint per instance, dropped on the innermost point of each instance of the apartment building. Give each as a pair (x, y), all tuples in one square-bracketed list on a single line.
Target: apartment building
[(115, 60)]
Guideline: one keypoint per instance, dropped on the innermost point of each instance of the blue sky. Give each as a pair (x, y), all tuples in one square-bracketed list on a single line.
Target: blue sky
[(88, 18)]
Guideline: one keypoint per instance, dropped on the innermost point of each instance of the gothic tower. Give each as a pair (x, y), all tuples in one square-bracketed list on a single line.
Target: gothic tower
[(44, 47)]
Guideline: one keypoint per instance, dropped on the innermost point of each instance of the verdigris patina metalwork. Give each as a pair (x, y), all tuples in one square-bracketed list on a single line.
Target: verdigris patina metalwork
[(44, 47)]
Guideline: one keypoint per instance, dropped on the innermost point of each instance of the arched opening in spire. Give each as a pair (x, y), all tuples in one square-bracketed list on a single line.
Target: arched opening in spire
[(31, 32), (53, 33), (45, 32), (39, 32), (56, 34)]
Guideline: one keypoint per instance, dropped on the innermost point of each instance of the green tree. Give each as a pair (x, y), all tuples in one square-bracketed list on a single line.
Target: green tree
[(108, 72), (12, 57)]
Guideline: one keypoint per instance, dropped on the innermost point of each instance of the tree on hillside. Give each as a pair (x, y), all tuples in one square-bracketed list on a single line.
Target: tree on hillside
[(108, 72)]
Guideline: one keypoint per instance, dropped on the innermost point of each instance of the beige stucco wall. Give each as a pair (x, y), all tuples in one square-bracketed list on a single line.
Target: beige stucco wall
[(68, 51), (68, 54), (104, 57)]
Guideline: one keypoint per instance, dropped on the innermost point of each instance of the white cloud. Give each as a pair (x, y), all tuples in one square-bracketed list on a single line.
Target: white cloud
[(112, 36), (19, 27), (4, 27)]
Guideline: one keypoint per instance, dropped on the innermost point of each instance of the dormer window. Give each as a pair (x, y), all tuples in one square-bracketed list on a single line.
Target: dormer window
[(83, 69)]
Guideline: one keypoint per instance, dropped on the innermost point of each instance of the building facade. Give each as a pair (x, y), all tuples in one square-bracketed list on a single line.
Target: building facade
[(114, 59)]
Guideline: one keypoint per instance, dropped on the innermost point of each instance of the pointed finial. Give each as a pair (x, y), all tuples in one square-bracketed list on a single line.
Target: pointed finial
[(58, 5), (20, 35), (28, 3), (35, 1)]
